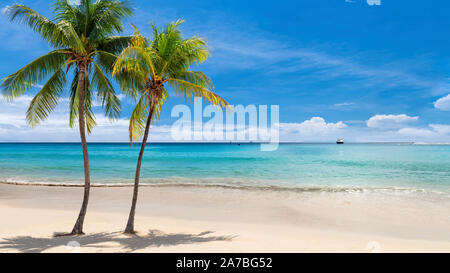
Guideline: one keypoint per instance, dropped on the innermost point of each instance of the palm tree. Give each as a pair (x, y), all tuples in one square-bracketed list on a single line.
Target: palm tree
[(83, 41), (147, 68)]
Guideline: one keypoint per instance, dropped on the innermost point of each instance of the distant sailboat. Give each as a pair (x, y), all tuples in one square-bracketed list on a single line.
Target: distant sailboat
[(340, 141)]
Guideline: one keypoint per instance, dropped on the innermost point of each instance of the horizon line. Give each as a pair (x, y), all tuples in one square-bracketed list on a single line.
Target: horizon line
[(230, 142)]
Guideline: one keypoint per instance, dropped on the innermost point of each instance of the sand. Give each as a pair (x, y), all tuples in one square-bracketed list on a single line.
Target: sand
[(196, 219)]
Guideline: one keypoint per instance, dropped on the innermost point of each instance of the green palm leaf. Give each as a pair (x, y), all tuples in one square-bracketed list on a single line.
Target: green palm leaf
[(191, 90), (108, 17), (33, 73), (83, 32), (46, 28), (167, 59), (106, 93), (138, 118), (47, 99), (70, 37), (114, 44), (73, 104)]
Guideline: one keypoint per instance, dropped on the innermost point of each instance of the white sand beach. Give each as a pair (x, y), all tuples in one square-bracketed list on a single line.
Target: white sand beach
[(195, 219)]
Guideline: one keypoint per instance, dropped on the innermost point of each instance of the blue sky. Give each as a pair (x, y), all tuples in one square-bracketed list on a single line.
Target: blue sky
[(336, 68)]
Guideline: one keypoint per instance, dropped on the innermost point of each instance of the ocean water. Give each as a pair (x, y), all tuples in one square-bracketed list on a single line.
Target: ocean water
[(302, 167)]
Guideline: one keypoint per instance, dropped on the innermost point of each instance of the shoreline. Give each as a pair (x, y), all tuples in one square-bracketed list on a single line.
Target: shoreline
[(298, 189), (193, 219)]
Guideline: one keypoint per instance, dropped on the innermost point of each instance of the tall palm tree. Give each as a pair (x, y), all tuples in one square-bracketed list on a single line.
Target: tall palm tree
[(148, 67), (83, 40)]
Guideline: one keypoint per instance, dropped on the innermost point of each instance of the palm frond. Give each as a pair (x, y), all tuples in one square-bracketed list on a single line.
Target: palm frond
[(187, 52), (191, 90), (88, 112), (73, 104), (39, 23), (47, 99), (59, 34), (167, 59), (195, 77), (131, 84), (159, 104), (107, 18), (83, 32), (114, 44), (64, 10), (105, 93), (105, 60), (70, 37), (195, 50), (138, 118), (33, 73), (135, 59)]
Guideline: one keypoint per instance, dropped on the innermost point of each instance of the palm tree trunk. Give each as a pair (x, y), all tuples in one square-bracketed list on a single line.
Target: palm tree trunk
[(78, 228), (130, 225)]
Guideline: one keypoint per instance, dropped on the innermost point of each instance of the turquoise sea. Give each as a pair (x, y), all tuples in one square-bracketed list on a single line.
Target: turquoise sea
[(302, 167)]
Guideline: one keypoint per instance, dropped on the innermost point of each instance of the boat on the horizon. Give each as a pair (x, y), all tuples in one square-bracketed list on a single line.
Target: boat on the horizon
[(340, 141)]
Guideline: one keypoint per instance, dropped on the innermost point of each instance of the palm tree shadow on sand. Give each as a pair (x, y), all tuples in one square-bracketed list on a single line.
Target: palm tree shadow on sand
[(128, 243)]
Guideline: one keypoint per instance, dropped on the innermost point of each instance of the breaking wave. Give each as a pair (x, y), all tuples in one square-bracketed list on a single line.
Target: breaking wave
[(231, 183)]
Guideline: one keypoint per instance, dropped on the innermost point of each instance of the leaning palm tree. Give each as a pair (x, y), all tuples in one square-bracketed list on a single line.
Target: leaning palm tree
[(83, 40), (148, 67)]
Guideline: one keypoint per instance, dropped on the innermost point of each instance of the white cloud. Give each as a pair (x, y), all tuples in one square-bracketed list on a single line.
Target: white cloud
[(443, 103), (343, 104), (20, 101), (440, 128), (416, 132), (23, 101), (11, 120), (5, 9), (432, 133), (314, 126), (13, 127), (390, 121)]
